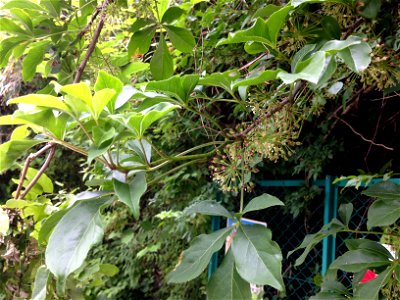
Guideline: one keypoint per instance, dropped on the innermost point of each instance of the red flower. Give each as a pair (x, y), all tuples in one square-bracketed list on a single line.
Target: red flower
[(369, 275)]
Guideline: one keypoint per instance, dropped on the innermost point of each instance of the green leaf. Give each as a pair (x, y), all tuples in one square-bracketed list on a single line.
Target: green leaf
[(173, 13), (331, 26), (223, 80), (359, 244), (345, 212), (101, 136), (77, 231), (41, 100), (296, 3), (356, 57), (181, 38), (100, 100), (310, 70), (48, 225), (79, 90), (141, 40), (334, 46), (141, 148), (6, 47), (39, 290), (311, 240), (370, 290), (258, 259), (130, 193), (262, 202), (359, 260), (161, 6), (258, 78), (52, 6), (24, 18), (178, 87), (107, 81), (109, 270), (161, 64), (196, 258), (265, 32), (24, 4), (4, 222), (208, 207), (386, 209), (134, 68), (226, 283), (32, 60), (9, 26), (300, 55), (10, 151), (266, 11), (155, 113), (370, 8)]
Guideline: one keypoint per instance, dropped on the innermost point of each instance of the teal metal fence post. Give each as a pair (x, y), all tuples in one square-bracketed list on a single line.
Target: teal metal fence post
[(215, 221), (328, 244)]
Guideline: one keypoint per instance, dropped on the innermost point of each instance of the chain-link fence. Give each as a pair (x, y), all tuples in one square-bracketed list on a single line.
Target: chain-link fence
[(289, 231)]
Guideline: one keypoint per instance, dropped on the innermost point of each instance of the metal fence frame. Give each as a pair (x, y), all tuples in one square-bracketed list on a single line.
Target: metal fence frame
[(331, 199)]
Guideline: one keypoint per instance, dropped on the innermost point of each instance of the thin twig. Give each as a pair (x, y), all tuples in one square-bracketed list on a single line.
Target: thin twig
[(92, 44), (41, 171), (28, 161), (252, 62), (364, 138), (87, 27), (376, 131)]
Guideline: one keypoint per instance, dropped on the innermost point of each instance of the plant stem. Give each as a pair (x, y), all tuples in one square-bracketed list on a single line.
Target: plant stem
[(242, 193)]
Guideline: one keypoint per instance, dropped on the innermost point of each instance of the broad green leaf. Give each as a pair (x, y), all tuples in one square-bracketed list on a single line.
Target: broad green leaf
[(140, 41), (262, 202), (173, 13), (11, 120), (79, 90), (140, 23), (300, 55), (181, 38), (226, 283), (224, 80), (41, 100), (385, 210), (266, 11), (259, 78), (161, 6), (134, 68), (100, 100), (334, 46), (310, 70), (96, 151), (258, 259), (265, 32), (109, 269), (359, 260), (46, 119), (161, 64), (24, 4), (155, 113), (23, 17), (311, 240), (6, 47), (345, 212), (10, 26), (208, 207), (377, 247), (39, 290), (101, 136), (141, 148), (254, 47), (19, 203), (370, 8), (4, 222), (45, 184), (130, 193), (48, 225), (20, 132), (370, 290), (77, 231), (177, 87), (52, 6), (10, 151), (195, 259), (356, 57), (331, 27), (107, 81)]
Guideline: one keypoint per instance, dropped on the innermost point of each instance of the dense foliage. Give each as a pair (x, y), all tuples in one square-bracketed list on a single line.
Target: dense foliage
[(151, 101)]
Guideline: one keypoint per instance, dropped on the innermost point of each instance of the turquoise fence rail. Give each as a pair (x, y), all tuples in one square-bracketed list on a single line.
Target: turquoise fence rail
[(289, 232)]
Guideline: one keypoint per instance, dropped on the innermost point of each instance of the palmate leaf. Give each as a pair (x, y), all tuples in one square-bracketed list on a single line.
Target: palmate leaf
[(226, 283), (196, 258), (77, 231), (258, 259)]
